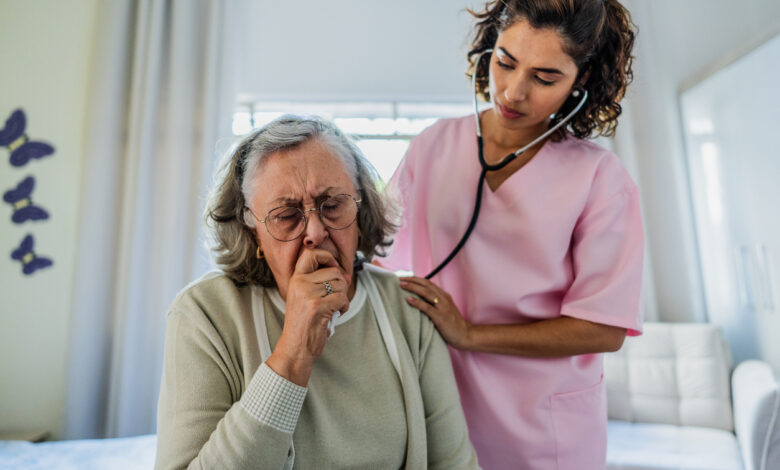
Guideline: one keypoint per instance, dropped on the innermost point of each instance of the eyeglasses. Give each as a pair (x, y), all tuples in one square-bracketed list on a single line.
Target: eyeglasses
[(286, 223)]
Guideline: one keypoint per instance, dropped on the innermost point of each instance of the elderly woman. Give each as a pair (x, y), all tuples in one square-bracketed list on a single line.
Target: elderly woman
[(299, 352)]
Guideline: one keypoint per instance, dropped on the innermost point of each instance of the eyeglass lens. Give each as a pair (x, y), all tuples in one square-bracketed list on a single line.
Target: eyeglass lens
[(287, 223)]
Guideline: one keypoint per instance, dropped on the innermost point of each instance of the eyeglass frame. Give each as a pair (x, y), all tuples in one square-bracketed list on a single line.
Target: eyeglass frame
[(303, 212)]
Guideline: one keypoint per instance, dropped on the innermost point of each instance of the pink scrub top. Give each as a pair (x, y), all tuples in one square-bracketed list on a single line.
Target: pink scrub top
[(560, 237)]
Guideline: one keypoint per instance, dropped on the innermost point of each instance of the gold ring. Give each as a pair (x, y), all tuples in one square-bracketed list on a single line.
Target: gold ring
[(435, 300)]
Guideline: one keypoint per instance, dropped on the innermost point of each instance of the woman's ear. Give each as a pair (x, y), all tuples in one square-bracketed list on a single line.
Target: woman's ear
[(249, 218), (582, 79)]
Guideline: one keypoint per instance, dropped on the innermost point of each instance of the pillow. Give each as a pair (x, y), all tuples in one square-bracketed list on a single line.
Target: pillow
[(675, 373)]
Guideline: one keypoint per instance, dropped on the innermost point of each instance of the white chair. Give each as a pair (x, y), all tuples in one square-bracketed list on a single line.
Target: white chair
[(671, 407)]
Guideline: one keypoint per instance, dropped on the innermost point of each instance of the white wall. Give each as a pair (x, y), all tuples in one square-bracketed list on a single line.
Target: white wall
[(731, 146), (45, 49), (678, 42), (350, 49)]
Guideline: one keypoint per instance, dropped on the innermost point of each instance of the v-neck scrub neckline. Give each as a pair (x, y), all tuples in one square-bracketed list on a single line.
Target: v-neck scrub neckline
[(514, 175)]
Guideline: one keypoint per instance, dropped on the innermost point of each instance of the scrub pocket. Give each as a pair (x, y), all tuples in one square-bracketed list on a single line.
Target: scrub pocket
[(580, 423)]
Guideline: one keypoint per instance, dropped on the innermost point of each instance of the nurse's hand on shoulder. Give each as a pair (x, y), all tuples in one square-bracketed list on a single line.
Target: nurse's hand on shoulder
[(440, 308)]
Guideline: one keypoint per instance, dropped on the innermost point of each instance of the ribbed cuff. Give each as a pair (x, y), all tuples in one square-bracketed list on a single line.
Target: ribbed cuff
[(273, 400)]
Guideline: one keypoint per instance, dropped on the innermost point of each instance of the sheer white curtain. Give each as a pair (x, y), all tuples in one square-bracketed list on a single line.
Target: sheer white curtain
[(163, 88)]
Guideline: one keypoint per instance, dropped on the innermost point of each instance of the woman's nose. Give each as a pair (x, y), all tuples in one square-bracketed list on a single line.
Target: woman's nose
[(315, 232), (516, 89)]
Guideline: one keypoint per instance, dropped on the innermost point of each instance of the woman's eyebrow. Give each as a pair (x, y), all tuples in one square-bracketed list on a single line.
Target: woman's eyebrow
[(285, 201), (546, 70), (327, 192), (538, 69), (508, 54)]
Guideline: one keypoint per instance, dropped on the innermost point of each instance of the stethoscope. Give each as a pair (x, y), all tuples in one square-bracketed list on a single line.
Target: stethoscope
[(506, 161)]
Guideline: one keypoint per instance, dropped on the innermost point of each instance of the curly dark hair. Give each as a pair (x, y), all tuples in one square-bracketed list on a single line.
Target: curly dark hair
[(597, 34), (230, 227)]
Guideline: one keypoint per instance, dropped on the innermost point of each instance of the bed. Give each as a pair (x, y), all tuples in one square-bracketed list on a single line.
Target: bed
[(130, 453)]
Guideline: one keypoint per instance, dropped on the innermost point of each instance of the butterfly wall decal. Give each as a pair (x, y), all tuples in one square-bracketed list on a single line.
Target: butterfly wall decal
[(14, 137), (30, 261), (21, 201)]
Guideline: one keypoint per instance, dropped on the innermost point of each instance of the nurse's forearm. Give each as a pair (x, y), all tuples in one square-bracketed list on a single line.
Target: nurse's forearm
[(557, 337)]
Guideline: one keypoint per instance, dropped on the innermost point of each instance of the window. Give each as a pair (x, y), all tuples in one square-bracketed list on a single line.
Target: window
[(382, 130)]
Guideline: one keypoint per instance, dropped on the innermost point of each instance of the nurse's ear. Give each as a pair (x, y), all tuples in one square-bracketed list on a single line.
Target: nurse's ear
[(582, 79)]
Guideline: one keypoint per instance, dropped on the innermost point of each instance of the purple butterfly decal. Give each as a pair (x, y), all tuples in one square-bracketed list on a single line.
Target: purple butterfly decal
[(15, 139), (20, 200), (30, 261)]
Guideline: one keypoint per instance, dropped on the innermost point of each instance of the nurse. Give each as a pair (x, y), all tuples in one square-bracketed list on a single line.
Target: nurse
[(550, 276)]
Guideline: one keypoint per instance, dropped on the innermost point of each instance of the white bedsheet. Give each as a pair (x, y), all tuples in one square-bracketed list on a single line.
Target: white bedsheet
[(131, 453)]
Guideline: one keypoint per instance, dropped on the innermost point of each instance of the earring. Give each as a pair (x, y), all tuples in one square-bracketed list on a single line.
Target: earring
[(575, 93), (259, 253)]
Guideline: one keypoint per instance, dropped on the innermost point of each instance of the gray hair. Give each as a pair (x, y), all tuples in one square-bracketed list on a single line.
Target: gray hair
[(291, 131), (233, 240)]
